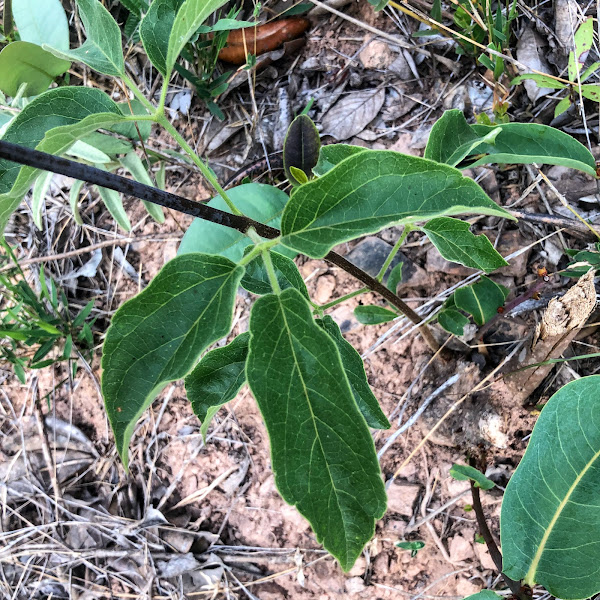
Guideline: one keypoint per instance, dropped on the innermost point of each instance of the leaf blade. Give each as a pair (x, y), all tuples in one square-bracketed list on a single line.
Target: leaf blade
[(157, 336), (330, 470)]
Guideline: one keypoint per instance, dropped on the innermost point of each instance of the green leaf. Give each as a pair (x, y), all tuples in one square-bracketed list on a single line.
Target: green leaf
[(482, 299), (562, 106), (38, 196), (333, 154), (112, 200), (453, 321), (369, 191), (102, 49), (133, 163), (42, 22), (395, 277), (466, 473), (51, 123), (158, 335), (84, 151), (217, 379), (373, 315), (583, 40), (526, 143), (128, 128), (456, 243), (301, 149), (227, 25), (452, 139), (542, 80), (322, 452), (355, 371), (258, 201), (550, 512), (108, 144), (155, 30), (589, 71), (256, 277), (26, 63), (591, 92)]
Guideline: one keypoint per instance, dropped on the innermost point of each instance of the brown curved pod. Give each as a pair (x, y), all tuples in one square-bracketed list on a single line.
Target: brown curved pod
[(261, 39)]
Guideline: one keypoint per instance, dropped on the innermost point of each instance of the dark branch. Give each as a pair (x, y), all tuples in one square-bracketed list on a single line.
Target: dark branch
[(49, 162)]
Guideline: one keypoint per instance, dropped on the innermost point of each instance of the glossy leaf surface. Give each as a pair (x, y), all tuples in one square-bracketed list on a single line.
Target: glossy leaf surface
[(322, 453), (456, 243), (158, 335), (355, 371), (482, 299), (550, 512), (217, 379), (102, 50), (301, 148), (332, 154), (371, 190)]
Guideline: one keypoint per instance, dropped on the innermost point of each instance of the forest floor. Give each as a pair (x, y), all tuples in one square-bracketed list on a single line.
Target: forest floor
[(203, 519)]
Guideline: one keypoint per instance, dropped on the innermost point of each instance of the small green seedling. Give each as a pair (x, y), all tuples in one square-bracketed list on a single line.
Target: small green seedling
[(468, 473), (414, 546), (583, 41)]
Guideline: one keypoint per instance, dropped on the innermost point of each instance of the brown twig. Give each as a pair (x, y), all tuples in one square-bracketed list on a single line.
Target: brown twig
[(514, 586), (49, 162)]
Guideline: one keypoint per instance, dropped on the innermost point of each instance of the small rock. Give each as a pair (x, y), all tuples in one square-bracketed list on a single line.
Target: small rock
[(484, 556), (355, 585), (510, 242), (381, 565), (461, 549), (402, 497), (437, 264), (553, 252), (326, 285), (344, 317), (396, 528), (377, 55), (493, 429)]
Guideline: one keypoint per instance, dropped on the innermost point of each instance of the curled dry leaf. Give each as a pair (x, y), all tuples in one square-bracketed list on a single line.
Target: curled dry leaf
[(261, 39), (530, 54), (565, 22), (353, 113)]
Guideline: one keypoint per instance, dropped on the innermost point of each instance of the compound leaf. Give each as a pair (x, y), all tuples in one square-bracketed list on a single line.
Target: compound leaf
[(102, 50), (158, 335), (260, 202), (217, 379), (371, 190), (355, 371), (482, 299), (550, 512), (322, 452), (456, 243)]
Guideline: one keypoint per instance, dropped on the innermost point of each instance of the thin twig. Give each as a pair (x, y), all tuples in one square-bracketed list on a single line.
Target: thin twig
[(49, 162)]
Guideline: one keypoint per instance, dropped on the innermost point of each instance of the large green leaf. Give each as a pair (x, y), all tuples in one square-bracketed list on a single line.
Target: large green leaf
[(452, 139), (26, 63), (256, 277), (322, 453), (102, 50), (355, 371), (371, 190), (550, 513), (42, 22), (332, 154), (456, 243), (217, 379), (260, 202), (155, 30), (158, 335)]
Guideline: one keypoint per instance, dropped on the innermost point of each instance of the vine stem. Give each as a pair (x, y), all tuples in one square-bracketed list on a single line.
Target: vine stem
[(514, 586), (56, 164), (388, 261)]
